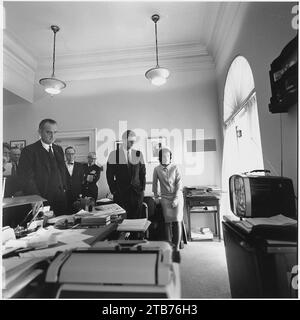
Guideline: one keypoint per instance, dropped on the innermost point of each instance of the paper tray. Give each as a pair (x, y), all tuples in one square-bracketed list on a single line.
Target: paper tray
[(110, 268)]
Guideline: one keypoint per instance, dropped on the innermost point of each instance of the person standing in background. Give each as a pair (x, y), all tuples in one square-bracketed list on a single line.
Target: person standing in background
[(15, 154), (169, 178), (13, 184), (6, 164), (126, 176), (74, 178), (42, 169), (91, 177)]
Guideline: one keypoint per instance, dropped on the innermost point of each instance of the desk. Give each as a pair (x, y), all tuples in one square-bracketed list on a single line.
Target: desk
[(195, 198), (36, 286)]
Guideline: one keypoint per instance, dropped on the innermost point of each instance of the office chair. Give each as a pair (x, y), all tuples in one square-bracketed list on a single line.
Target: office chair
[(156, 231)]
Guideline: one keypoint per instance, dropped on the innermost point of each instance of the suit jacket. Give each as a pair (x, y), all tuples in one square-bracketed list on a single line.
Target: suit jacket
[(74, 182), (93, 170), (12, 185), (34, 168), (90, 188), (122, 176)]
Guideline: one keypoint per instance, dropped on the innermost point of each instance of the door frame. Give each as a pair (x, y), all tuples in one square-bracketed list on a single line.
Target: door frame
[(91, 134)]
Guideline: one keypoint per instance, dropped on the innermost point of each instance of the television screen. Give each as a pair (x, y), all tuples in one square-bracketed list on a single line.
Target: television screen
[(238, 195)]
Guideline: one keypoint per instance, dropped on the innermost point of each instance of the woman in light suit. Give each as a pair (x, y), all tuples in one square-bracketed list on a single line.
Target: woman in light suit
[(169, 178)]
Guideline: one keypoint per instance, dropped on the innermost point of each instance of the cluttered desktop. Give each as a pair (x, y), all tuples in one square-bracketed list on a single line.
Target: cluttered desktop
[(80, 255)]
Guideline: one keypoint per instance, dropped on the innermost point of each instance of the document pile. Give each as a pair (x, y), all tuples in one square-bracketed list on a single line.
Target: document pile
[(95, 220), (203, 234), (47, 242), (134, 225), (276, 221), (113, 210), (17, 273)]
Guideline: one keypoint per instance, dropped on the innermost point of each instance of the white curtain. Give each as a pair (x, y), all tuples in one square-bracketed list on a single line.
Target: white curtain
[(239, 84), (240, 153)]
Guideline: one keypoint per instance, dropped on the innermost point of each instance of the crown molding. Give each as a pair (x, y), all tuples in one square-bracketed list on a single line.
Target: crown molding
[(126, 62), (228, 22), (13, 45), (19, 68), (20, 63)]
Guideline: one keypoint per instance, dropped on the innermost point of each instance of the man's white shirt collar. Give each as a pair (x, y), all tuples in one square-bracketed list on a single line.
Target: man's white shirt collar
[(45, 145)]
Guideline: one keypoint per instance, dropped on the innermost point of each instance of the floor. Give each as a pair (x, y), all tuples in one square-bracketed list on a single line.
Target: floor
[(203, 270)]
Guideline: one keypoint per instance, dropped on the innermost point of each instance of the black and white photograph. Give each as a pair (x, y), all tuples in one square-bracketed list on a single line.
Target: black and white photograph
[(154, 144), (150, 153), (20, 144)]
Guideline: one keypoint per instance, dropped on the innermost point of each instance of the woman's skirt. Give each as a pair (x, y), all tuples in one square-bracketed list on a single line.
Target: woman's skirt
[(172, 214)]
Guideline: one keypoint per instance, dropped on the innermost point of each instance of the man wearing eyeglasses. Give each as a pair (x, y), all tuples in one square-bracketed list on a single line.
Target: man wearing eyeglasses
[(126, 176), (74, 177), (91, 177)]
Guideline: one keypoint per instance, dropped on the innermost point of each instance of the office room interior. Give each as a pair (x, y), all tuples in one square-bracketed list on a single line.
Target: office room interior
[(220, 111)]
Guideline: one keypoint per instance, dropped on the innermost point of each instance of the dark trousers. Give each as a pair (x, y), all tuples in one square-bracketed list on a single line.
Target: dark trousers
[(70, 202), (58, 203), (90, 190), (131, 201)]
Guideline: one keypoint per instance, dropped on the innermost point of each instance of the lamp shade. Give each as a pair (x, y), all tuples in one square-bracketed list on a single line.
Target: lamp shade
[(52, 85), (157, 76)]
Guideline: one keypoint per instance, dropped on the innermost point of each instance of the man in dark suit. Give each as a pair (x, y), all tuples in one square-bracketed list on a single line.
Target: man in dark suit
[(126, 176), (91, 177), (74, 177), (13, 187), (14, 215), (42, 169)]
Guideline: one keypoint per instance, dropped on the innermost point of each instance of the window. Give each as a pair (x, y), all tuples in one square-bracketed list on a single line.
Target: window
[(242, 144)]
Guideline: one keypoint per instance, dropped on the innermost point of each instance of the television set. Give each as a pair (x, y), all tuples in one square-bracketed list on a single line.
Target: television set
[(284, 78), (254, 196)]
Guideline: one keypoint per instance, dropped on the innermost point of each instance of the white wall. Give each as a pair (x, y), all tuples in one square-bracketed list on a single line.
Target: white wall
[(187, 101), (264, 32)]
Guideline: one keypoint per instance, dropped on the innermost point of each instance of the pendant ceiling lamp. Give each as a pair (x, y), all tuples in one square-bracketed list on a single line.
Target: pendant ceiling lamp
[(158, 75), (53, 85)]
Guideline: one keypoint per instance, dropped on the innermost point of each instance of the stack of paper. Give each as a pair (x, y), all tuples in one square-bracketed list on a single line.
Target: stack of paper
[(82, 213), (95, 220), (134, 225), (69, 218), (17, 273), (110, 209), (47, 242), (278, 220)]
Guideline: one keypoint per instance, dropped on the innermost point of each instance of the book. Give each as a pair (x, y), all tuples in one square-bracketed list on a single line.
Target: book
[(278, 220), (95, 220), (112, 208), (134, 225)]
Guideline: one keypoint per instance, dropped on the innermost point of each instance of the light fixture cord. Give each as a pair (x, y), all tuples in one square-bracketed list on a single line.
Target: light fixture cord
[(53, 67), (156, 45)]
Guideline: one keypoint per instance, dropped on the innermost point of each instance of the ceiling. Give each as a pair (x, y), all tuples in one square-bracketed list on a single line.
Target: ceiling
[(88, 27), (108, 39)]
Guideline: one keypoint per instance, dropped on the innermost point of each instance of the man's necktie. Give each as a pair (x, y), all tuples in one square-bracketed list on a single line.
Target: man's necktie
[(128, 157), (14, 169), (51, 155)]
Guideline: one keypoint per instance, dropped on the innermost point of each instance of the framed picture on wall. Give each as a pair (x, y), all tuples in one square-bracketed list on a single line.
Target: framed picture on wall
[(18, 143), (154, 144)]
